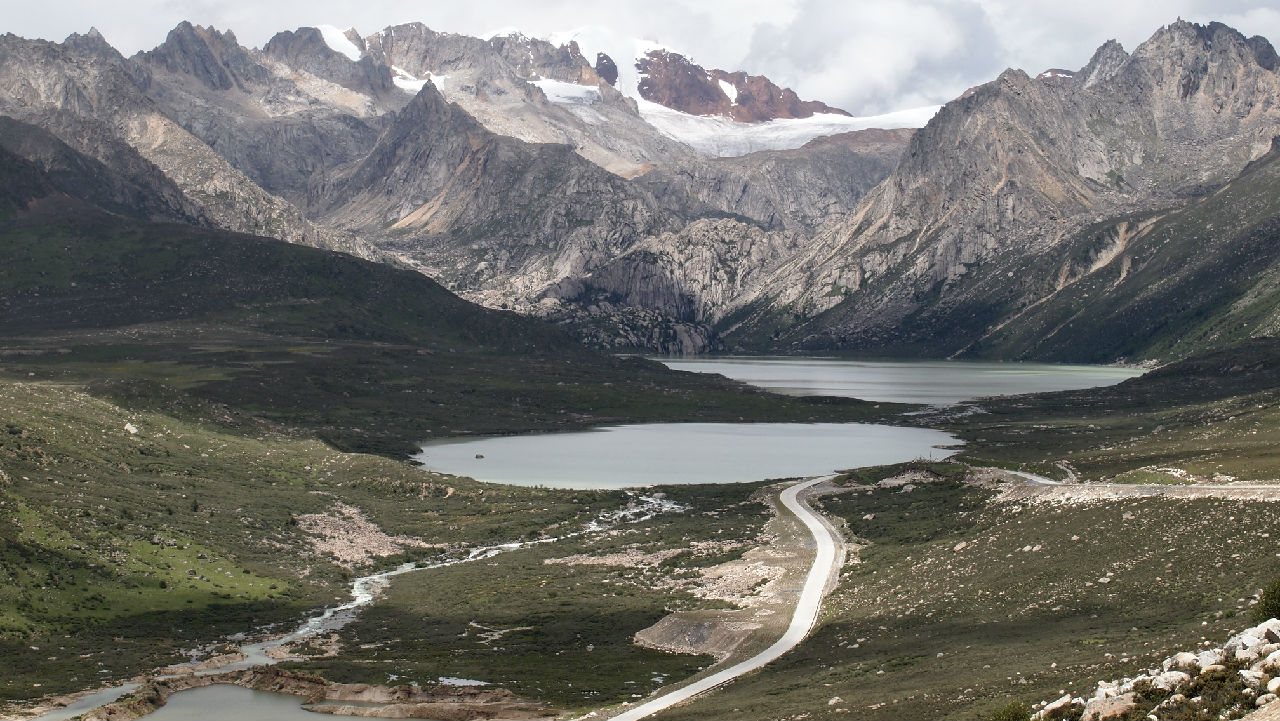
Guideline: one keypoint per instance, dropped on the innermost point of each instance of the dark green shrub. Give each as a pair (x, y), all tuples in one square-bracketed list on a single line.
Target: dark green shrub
[(1012, 711), (1269, 605)]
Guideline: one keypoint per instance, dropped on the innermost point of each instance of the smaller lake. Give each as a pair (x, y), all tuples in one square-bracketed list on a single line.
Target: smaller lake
[(931, 382), (224, 701), (681, 453)]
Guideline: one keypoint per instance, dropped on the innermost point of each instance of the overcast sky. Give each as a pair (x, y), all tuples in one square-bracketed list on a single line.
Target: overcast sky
[(867, 56)]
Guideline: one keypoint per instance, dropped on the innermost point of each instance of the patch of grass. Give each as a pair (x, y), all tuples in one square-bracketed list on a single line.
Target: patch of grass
[(1012, 711), (559, 633)]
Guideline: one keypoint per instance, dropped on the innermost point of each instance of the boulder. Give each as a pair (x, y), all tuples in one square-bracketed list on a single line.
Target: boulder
[(1170, 680), (1181, 662), (1107, 689), (1252, 679), (1099, 709), (1209, 658), (1273, 686), (1054, 708), (1271, 663), (1242, 642), (1265, 700), (1269, 630)]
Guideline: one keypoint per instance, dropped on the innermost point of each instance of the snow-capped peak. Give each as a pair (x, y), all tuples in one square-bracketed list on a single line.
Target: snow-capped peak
[(338, 41), (623, 50)]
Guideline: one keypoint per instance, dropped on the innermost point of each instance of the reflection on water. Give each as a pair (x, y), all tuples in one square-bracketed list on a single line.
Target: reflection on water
[(932, 382), (671, 453)]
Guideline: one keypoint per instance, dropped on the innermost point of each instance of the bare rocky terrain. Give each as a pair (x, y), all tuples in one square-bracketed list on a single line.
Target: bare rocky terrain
[(509, 169)]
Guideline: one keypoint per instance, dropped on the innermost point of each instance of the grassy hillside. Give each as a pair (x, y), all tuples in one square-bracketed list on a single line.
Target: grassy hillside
[(126, 536)]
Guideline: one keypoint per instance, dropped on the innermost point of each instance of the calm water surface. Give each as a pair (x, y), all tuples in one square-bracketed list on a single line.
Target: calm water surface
[(223, 701), (932, 382), (661, 453), (641, 455)]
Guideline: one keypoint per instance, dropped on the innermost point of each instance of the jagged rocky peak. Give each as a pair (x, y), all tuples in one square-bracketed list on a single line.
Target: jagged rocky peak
[(1105, 63), (90, 42), (672, 80), (420, 52), (331, 54), (1187, 45), (214, 58), (532, 57)]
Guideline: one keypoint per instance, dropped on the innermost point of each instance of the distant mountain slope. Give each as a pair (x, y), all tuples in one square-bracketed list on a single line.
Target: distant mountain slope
[(1157, 285), (485, 213), (87, 95), (1008, 175)]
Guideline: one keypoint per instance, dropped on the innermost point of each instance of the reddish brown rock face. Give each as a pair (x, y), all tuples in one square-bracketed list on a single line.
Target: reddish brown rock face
[(670, 79)]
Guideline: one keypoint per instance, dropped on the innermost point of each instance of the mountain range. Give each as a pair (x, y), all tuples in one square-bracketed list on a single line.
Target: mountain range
[(614, 186)]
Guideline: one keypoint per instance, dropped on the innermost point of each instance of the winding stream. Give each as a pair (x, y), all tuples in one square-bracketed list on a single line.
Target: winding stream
[(364, 590)]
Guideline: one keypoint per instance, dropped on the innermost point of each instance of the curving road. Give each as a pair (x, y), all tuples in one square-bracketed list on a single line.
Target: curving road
[(806, 613)]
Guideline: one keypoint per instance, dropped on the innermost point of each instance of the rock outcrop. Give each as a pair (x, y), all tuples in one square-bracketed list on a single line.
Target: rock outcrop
[(672, 80), (1220, 682)]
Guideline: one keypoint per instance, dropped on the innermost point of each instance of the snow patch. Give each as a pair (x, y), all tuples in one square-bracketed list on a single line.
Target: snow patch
[(730, 91), (338, 42), (718, 137), (564, 93), (406, 81)]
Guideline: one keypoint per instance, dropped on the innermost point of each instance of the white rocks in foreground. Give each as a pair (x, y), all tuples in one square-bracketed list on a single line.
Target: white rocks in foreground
[(1254, 653)]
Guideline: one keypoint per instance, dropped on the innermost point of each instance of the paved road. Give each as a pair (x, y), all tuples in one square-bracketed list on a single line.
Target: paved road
[(1036, 480), (802, 620)]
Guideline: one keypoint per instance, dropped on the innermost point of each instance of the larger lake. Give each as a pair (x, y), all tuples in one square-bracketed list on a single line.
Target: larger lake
[(667, 453), (677, 453), (932, 382)]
